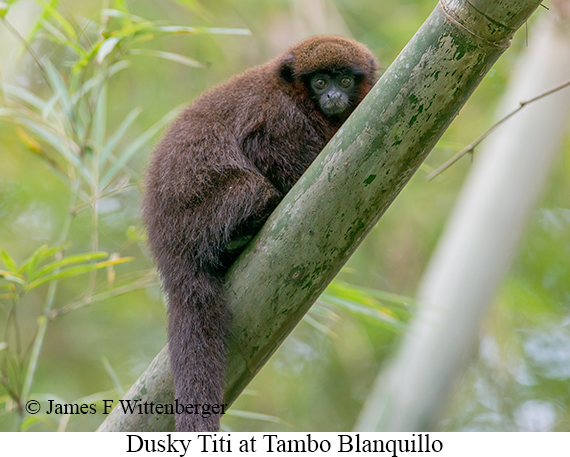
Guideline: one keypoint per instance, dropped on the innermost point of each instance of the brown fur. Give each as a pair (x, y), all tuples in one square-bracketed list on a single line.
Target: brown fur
[(219, 171)]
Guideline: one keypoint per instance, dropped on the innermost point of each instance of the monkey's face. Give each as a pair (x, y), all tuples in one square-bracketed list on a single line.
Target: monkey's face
[(333, 92)]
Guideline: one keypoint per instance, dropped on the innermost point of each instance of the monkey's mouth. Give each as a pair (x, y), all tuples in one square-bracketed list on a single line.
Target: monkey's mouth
[(331, 107)]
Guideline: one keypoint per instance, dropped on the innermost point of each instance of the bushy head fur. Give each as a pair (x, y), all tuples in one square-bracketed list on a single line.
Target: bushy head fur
[(325, 53)]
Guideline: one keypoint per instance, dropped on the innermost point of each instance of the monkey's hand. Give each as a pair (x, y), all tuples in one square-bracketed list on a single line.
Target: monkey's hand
[(238, 243)]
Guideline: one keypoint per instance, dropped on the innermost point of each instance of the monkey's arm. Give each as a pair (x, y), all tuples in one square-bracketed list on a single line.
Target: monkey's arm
[(245, 199), (238, 243)]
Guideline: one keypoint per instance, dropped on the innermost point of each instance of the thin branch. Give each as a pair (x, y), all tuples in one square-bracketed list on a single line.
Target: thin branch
[(122, 185), (149, 280), (49, 301), (469, 149)]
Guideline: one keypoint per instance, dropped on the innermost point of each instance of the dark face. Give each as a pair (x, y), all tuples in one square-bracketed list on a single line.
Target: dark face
[(333, 92)]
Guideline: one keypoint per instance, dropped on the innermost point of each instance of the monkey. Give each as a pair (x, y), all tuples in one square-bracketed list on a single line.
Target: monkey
[(216, 175)]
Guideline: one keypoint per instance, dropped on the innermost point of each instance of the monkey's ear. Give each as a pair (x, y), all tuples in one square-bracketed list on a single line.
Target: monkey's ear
[(286, 68), (375, 67)]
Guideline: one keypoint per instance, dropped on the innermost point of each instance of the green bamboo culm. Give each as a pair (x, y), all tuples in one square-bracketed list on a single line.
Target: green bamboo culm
[(326, 215)]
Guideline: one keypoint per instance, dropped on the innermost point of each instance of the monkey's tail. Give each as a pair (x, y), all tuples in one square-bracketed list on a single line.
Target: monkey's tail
[(197, 328)]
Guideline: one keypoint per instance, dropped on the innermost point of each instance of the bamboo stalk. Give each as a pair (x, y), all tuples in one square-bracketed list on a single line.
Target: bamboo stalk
[(478, 243)]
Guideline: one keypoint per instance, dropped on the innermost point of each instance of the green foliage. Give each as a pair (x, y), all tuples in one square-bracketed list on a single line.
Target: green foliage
[(64, 121), (387, 310), (67, 128), (45, 265), (42, 267)]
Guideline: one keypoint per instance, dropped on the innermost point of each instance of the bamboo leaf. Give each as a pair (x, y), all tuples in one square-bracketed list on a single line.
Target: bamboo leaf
[(113, 376), (40, 21), (75, 271), (8, 113), (140, 30), (59, 87), (120, 5), (224, 31), (168, 56), (255, 416), (12, 277), (85, 60), (60, 145), (142, 27), (174, 29), (30, 142), (100, 117), (29, 265), (70, 260), (55, 35), (8, 296), (34, 419), (96, 80), (364, 294), (318, 326), (8, 261), (106, 47), (24, 95), (40, 255), (49, 106), (130, 151), (4, 7), (377, 314), (50, 9), (119, 133), (112, 12), (185, 30)]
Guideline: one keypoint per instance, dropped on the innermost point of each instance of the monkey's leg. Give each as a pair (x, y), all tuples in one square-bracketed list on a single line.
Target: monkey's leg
[(198, 312)]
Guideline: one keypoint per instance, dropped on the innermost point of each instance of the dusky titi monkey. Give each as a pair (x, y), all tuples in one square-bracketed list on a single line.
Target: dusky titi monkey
[(219, 171)]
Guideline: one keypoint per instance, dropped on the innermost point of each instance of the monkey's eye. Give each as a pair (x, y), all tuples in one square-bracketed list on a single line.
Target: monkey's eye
[(345, 81), (320, 83)]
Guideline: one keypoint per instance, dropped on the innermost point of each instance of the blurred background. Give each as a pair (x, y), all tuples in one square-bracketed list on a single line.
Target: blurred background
[(103, 325)]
